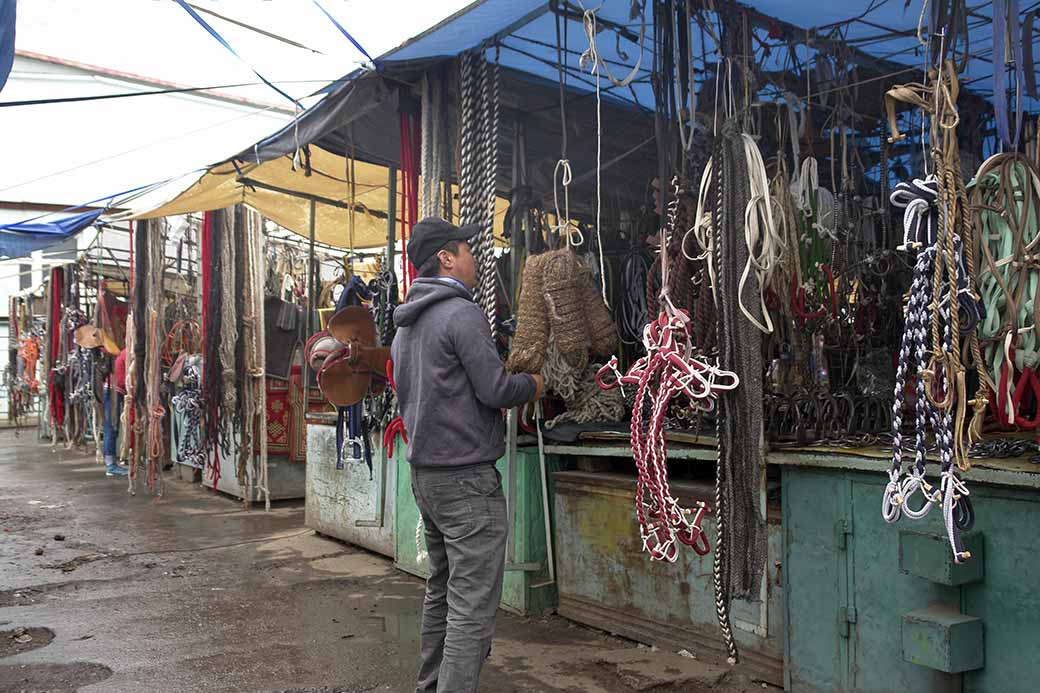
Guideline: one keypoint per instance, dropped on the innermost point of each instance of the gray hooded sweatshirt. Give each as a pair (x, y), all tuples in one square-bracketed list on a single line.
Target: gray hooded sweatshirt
[(451, 384)]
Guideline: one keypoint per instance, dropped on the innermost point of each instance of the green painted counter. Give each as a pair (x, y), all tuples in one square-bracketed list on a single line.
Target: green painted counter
[(523, 592), (607, 581), (856, 621)]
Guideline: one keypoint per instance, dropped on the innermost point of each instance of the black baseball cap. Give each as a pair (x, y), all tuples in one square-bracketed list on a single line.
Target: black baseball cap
[(433, 233)]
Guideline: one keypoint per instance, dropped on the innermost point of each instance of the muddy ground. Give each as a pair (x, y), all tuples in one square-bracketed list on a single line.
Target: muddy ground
[(101, 591)]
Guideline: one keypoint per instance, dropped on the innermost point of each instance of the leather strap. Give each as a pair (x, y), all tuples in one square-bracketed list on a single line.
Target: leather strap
[(1006, 29)]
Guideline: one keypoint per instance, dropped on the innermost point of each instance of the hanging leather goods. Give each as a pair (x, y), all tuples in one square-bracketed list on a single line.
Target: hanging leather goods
[(1007, 41), (356, 367)]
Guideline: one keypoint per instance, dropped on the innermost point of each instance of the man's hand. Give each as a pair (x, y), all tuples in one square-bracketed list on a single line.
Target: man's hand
[(539, 382)]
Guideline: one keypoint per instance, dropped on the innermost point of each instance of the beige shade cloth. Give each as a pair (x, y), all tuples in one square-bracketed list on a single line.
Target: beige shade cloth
[(326, 178)]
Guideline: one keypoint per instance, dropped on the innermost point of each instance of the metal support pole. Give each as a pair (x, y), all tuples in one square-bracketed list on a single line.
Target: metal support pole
[(512, 416), (307, 326), (391, 217)]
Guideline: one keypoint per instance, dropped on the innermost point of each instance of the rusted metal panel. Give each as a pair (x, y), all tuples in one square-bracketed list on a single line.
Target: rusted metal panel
[(338, 499), (607, 581)]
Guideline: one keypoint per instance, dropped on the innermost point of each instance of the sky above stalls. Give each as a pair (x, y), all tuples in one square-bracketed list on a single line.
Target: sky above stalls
[(77, 152)]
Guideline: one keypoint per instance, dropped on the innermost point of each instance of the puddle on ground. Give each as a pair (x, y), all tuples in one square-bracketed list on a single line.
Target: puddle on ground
[(19, 640), (53, 678)]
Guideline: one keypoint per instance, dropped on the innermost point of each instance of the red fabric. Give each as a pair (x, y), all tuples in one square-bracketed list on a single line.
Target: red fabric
[(119, 371), (410, 137), (56, 394), (279, 417)]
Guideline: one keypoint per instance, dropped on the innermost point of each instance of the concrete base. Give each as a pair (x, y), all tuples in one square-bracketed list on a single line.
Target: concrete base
[(344, 503), (285, 480)]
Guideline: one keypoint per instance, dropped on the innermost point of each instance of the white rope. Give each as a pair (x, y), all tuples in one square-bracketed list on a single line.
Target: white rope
[(796, 124), (563, 224), (254, 471), (592, 55), (805, 185), (589, 21), (703, 230), (765, 246)]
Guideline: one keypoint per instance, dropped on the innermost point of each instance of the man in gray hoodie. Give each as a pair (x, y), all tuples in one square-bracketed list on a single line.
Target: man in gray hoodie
[(452, 387)]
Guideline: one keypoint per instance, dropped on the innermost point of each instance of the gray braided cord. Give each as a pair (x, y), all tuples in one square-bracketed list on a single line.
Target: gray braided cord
[(487, 294), (719, 563), (467, 137)]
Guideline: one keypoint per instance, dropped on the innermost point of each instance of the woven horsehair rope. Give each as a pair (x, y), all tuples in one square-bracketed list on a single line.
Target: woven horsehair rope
[(251, 469), (741, 535), (156, 309), (228, 331)]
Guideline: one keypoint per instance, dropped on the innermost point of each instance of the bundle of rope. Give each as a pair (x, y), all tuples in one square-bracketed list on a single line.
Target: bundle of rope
[(191, 448), (680, 267), (212, 316), (561, 319), (251, 468), (384, 299), (149, 411), (632, 311), (944, 285), (1005, 198), (136, 412), (740, 546), (952, 495), (55, 384), (29, 354), (228, 330), (478, 169)]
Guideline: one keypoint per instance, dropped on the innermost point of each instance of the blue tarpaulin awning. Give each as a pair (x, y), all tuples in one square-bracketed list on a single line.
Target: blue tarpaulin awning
[(22, 238)]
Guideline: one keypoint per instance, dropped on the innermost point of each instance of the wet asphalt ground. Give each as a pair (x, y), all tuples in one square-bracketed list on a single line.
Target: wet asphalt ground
[(103, 591)]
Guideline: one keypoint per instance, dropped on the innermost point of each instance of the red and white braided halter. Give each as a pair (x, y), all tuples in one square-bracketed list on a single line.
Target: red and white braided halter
[(670, 368)]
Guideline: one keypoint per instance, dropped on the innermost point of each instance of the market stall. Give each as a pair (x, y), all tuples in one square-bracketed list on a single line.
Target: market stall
[(780, 279), (753, 203)]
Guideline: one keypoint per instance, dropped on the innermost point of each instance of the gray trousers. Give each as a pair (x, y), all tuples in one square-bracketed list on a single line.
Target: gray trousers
[(464, 512)]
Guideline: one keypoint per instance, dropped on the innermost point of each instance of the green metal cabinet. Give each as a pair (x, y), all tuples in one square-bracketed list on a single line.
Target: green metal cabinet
[(527, 592), (849, 606), (607, 581)]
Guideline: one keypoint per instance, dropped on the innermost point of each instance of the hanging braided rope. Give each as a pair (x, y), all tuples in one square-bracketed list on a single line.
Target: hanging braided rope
[(433, 143), (740, 430), (937, 226), (156, 303), (478, 124), (228, 333), (251, 467)]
